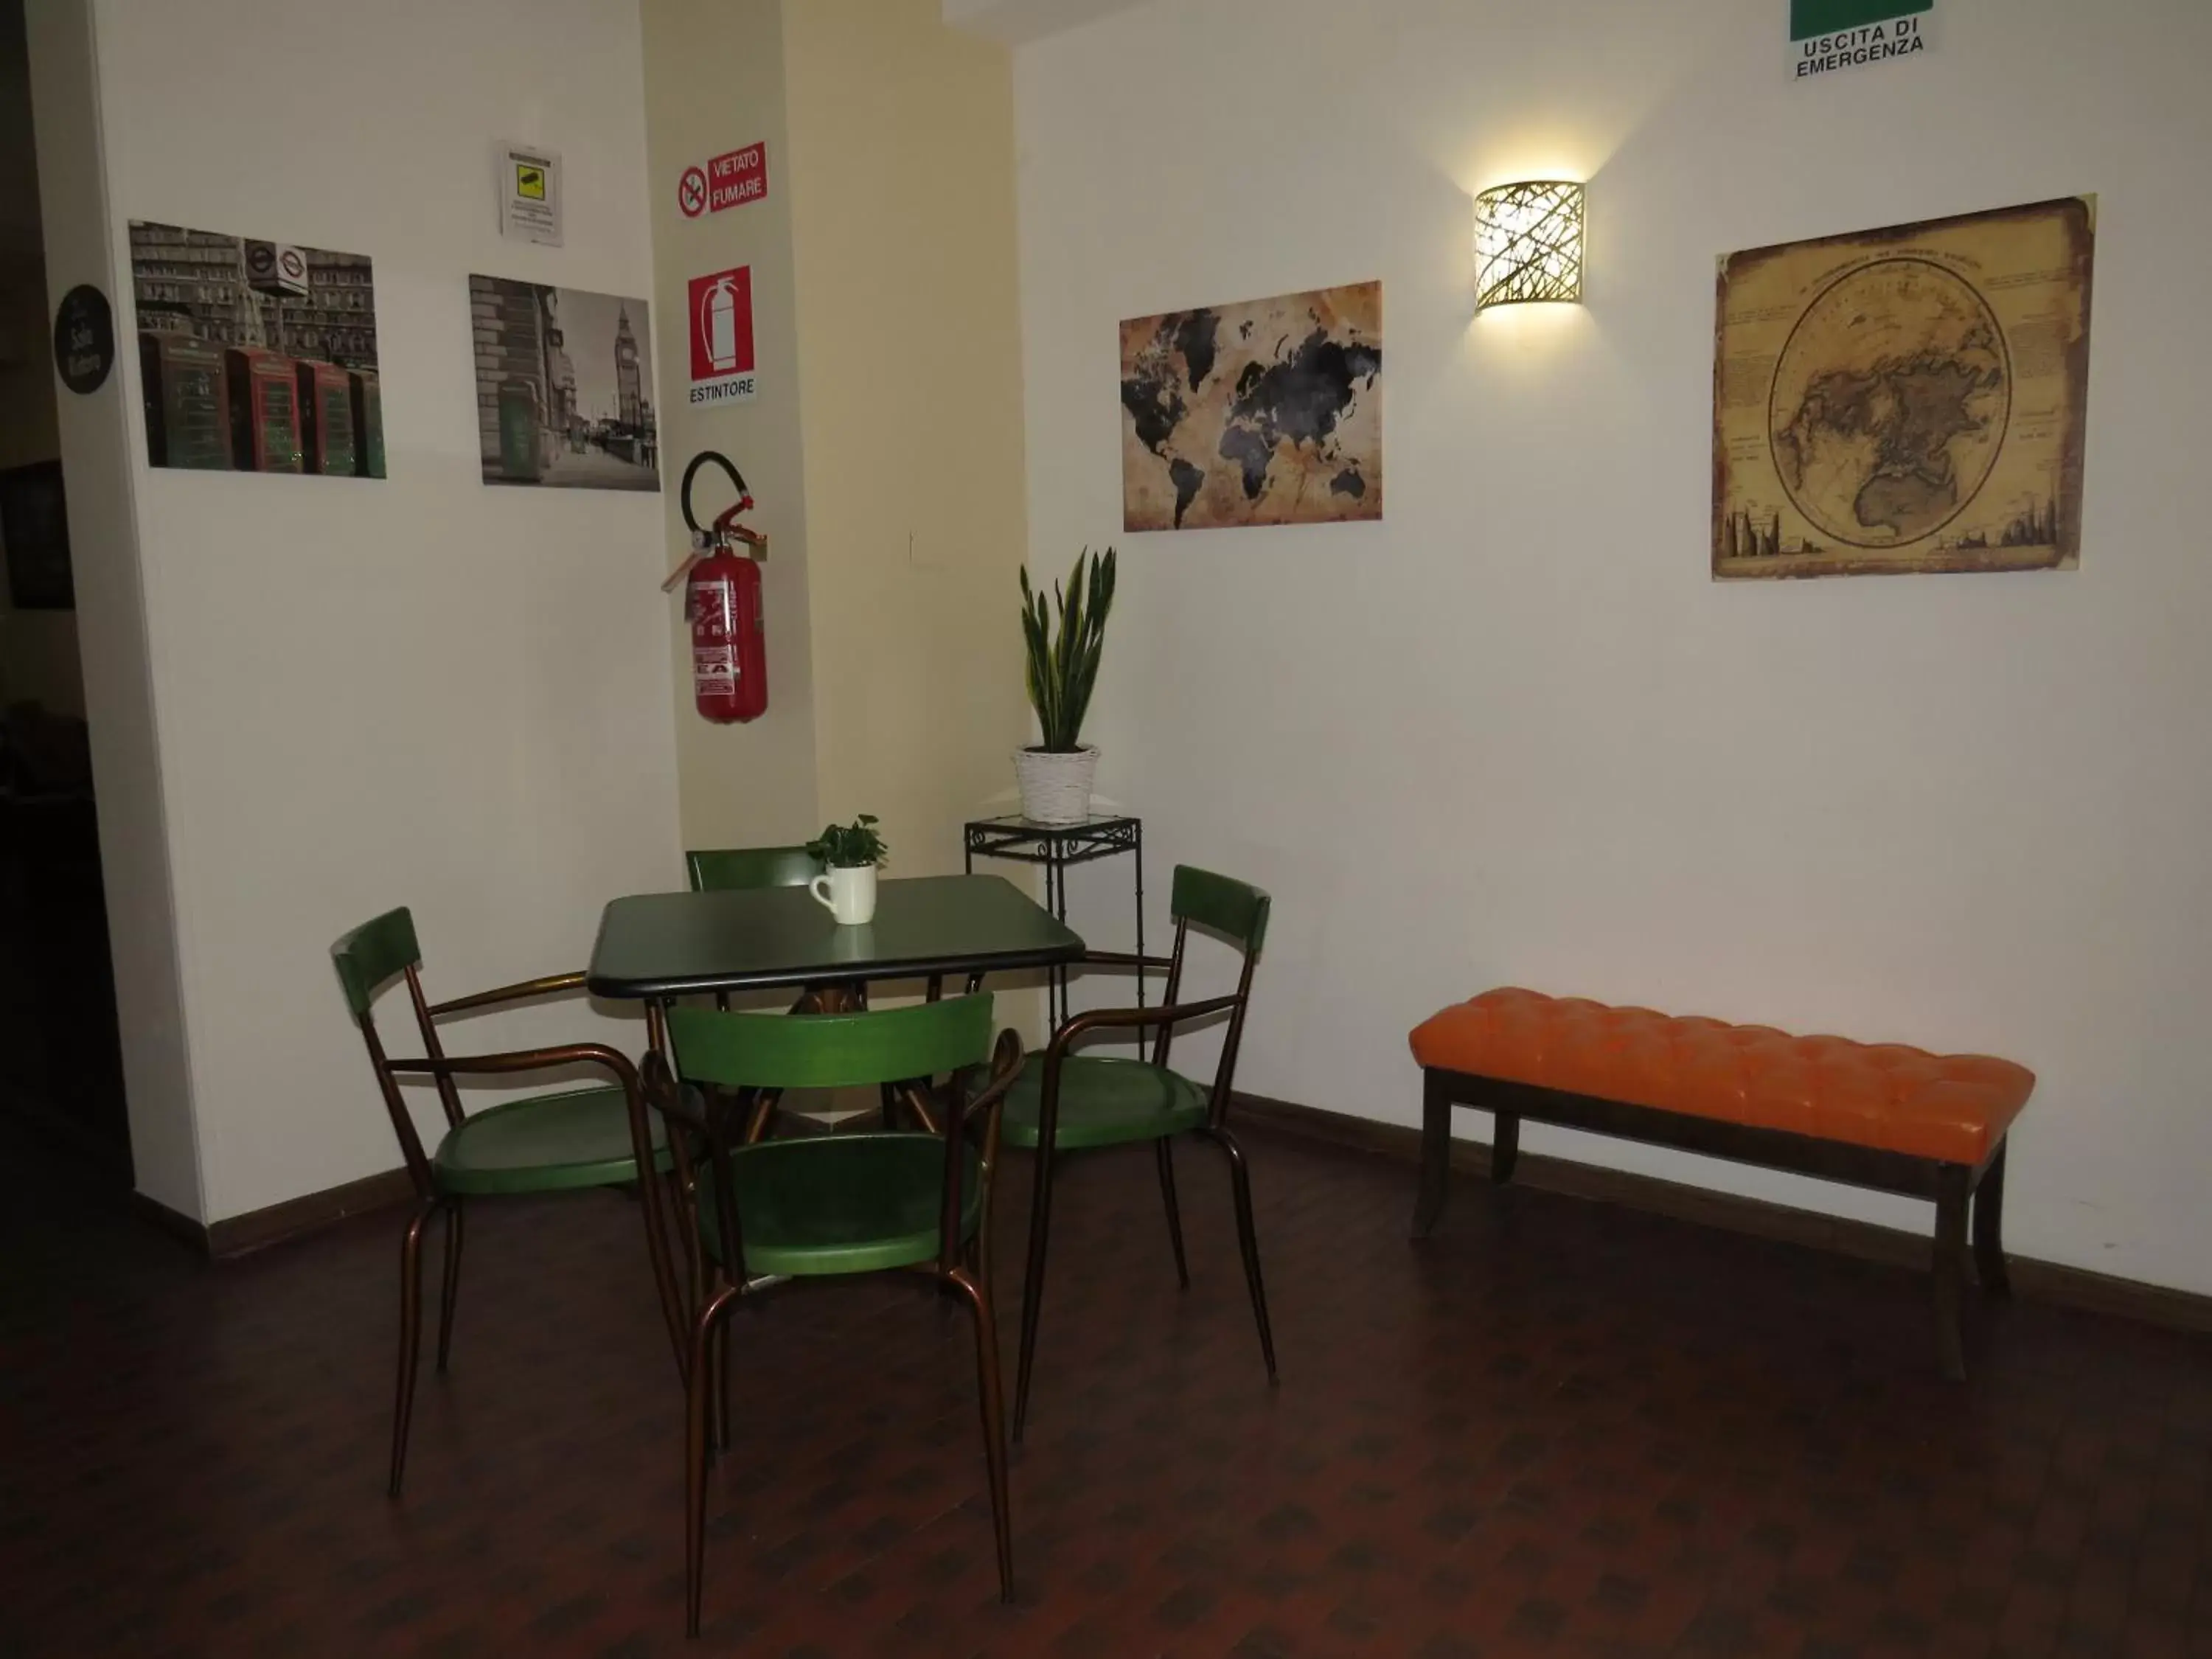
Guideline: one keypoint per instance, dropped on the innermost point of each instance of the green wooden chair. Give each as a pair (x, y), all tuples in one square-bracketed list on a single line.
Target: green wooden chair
[(832, 1206), (544, 1144), (725, 868), (1065, 1102), (716, 868), (742, 869)]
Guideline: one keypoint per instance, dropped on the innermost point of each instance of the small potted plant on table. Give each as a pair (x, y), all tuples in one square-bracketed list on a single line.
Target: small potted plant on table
[(849, 854), (1056, 773)]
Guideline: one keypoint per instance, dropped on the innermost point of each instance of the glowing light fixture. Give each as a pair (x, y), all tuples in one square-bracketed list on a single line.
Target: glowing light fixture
[(1528, 244)]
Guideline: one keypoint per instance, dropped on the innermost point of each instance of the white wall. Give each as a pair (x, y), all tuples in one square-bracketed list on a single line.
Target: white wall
[(419, 690), (902, 137), (1514, 733), (717, 71), (888, 416)]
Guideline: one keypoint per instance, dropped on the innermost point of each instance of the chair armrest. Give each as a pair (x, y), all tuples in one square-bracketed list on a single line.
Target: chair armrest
[(525, 1060), (1122, 959), (961, 1118), (1096, 1019), (1005, 1072), (522, 992), (665, 1095)]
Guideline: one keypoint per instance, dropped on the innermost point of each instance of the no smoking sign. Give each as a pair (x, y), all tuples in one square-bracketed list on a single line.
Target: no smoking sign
[(728, 180)]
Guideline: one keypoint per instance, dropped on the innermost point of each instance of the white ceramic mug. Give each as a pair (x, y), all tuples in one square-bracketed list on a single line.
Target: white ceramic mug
[(850, 894)]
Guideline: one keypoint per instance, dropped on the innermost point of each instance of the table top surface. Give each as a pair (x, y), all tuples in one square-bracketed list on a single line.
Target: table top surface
[(654, 946)]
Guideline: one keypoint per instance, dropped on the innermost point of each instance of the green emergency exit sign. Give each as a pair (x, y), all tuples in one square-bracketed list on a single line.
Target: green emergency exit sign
[(1827, 35)]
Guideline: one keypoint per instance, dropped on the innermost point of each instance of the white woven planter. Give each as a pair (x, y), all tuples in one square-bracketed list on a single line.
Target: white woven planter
[(1055, 789)]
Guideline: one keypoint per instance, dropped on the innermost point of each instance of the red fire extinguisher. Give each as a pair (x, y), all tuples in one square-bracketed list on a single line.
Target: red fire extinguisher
[(722, 601)]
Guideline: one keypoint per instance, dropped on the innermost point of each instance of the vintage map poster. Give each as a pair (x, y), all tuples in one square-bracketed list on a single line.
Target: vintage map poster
[(1265, 412), (1909, 399)]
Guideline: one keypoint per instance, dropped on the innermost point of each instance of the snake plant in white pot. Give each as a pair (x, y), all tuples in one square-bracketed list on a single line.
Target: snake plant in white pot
[(1057, 772)]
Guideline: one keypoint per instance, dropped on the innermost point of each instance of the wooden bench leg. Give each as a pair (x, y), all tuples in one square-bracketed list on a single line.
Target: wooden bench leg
[(1951, 1197), (1436, 1153), (1505, 1146), (1989, 1230)]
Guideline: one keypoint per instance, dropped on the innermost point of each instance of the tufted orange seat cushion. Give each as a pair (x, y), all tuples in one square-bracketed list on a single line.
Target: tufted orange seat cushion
[(1955, 1108)]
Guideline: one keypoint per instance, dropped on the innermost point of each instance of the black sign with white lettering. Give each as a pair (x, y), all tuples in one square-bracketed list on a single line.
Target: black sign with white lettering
[(84, 339)]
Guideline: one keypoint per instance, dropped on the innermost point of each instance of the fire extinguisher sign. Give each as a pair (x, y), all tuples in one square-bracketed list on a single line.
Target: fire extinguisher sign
[(722, 326)]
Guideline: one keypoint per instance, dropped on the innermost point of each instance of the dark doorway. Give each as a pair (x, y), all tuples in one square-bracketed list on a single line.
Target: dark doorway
[(61, 1070)]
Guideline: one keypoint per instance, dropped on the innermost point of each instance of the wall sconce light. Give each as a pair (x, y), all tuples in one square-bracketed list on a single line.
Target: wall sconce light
[(1528, 244)]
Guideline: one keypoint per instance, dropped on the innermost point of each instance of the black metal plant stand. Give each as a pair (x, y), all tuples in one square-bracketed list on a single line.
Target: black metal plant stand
[(1057, 847)]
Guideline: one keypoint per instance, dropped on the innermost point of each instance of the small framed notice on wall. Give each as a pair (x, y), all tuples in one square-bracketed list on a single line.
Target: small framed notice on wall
[(530, 194)]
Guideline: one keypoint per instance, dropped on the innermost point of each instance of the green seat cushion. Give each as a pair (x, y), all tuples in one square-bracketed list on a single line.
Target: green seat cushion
[(1103, 1103), (842, 1204), (543, 1144)]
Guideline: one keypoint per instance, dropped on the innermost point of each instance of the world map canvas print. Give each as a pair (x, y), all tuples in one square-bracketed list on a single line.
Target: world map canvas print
[(1907, 399), (1265, 412)]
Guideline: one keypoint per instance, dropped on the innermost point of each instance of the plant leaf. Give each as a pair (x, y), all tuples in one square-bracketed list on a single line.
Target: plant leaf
[(1063, 641)]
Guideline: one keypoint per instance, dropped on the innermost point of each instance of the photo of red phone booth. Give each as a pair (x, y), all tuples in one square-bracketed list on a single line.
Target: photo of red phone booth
[(188, 401), (264, 411), (368, 422), (326, 423)]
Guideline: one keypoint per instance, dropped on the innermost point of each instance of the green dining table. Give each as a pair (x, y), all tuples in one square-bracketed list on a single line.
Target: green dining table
[(655, 947)]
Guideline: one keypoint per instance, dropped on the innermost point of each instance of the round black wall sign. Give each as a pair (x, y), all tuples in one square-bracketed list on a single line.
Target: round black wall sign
[(84, 339)]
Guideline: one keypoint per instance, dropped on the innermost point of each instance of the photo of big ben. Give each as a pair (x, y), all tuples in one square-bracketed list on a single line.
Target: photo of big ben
[(564, 386)]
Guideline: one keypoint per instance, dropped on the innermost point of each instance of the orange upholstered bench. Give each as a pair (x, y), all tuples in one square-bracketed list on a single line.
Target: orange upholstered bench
[(1895, 1119)]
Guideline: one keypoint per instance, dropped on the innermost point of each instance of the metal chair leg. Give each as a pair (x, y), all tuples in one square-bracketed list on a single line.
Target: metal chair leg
[(697, 1387), (695, 1262), (1249, 1243), (450, 1289), (411, 1338), (983, 1247), (972, 1292), (1033, 1286), (1165, 1150), (720, 1382)]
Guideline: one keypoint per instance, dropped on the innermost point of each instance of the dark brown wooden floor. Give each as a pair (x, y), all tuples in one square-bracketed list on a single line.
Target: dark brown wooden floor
[(1560, 1428)]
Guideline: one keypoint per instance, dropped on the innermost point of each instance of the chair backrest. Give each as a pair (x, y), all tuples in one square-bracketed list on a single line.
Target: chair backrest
[(743, 1050), (900, 1046), (367, 959), (1237, 911), (718, 868), (372, 954), (1234, 910)]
